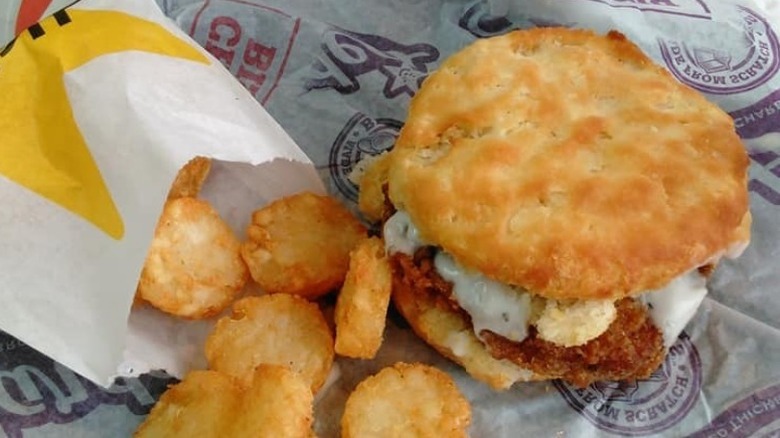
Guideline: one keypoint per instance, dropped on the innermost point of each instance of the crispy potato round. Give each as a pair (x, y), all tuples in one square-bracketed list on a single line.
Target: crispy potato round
[(406, 400), (190, 178), (361, 309), (276, 329), (201, 405), (300, 245), (193, 268), (211, 404), (277, 404)]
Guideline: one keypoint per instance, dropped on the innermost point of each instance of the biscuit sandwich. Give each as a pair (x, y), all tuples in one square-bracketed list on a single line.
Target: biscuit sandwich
[(554, 205)]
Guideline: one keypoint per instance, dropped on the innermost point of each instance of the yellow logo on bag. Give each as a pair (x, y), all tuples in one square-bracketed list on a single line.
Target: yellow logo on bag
[(41, 147)]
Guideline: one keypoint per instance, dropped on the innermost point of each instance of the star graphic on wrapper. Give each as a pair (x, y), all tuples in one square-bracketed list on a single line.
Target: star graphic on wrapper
[(662, 374), (625, 390), (403, 76), (712, 60), (49, 155), (616, 391)]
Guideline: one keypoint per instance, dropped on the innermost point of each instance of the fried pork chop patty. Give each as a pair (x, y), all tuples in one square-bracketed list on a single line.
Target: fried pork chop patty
[(632, 347)]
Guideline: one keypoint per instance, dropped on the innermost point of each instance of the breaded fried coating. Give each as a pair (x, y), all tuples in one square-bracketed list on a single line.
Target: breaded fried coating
[(569, 324), (422, 297), (300, 245), (631, 348), (193, 268), (361, 309), (276, 329)]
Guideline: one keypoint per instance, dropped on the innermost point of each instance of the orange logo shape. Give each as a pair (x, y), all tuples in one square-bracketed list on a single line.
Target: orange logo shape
[(30, 11), (41, 147)]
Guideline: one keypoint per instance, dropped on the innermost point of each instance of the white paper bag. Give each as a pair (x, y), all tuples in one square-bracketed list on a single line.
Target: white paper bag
[(103, 102)]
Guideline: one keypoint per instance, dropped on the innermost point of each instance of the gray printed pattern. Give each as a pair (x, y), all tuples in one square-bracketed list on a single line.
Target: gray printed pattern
[(339, 81)]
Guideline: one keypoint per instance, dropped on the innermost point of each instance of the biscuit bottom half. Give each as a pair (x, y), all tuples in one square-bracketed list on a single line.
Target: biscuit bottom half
[(632, 347)]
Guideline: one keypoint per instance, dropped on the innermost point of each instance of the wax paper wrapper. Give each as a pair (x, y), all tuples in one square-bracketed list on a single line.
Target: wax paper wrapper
[(102, 103), (337, 75)]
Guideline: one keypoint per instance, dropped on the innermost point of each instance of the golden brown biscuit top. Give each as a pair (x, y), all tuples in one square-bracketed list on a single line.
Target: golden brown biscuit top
[(568, 163)]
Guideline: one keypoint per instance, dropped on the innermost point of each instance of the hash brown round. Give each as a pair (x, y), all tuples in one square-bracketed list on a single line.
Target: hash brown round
[(300, 244), (406, 400), (193, 268), (278, 329), (361, 307)]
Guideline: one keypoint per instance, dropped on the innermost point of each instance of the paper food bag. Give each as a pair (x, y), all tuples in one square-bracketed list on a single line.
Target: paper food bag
[(102, 103)]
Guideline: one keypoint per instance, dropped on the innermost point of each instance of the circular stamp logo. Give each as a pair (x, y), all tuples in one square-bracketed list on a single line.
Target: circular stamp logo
[(642, 407), (361, 136), (716, 70)]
